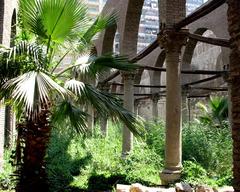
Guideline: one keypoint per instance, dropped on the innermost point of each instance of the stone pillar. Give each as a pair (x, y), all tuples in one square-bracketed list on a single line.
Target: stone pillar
[(90, 118), (229, 85), (2, 130), (172, 42), (136, 106), (155, 99), (9, 126), (185, 115), (128, 103), (104, 118)]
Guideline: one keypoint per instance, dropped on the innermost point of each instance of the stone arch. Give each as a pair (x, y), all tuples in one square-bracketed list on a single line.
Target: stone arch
[(104, 43), (188, 53), (1, 19), (129, 24), (156, 75), (190, 50), (107, 40)]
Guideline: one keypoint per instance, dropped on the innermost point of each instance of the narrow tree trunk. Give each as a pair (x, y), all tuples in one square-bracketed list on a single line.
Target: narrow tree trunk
[(35, 136), (234, 31), (8, 127)]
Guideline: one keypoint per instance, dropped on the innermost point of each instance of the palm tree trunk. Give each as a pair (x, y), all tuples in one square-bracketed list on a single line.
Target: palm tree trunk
[(35, 135), (234, 31), (8, 127)]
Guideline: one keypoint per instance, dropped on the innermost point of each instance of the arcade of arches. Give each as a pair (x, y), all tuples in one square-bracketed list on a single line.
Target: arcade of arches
[(200, 48)]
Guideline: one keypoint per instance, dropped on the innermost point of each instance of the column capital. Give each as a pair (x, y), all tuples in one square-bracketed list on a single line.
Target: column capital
[(128, 75), (171, 40)]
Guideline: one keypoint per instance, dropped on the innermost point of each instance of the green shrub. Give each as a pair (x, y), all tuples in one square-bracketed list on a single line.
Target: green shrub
[(96, 163), (155, 137), (6, 180), (77, 162), (210, 147)]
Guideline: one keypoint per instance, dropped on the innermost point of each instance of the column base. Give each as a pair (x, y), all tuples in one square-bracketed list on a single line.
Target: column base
[(169, 176)]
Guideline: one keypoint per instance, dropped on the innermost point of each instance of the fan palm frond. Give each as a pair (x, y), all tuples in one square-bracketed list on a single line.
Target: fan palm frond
[(19, 59), (32, 90), (67, 111), (105, 103), (87, 66), (54, 20), (101, 23)]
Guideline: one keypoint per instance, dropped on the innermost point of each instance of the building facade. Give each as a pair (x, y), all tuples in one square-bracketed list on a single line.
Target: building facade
[(191, 5), (95, 7)]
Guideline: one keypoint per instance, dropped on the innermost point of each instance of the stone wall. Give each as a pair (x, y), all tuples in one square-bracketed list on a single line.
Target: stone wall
[(7, 8)]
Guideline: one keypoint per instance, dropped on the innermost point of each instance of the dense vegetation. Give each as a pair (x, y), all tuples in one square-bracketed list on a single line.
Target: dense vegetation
[(77, 162)]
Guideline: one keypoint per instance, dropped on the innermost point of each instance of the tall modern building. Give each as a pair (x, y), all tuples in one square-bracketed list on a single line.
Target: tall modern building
[(95, 7), (191, 5), (149, 23)]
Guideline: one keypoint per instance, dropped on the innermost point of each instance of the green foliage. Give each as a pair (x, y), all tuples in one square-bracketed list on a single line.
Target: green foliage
[(82, 162), (155, 136), (6, 181), (96, 162), (215, 113), (211, 148), (207, 152)]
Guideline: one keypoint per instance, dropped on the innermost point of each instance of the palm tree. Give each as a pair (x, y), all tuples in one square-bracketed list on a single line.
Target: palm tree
[(215, 113), (42, 92), (234, 31)]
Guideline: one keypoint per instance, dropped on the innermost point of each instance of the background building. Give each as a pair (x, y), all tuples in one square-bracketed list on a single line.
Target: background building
[(149, 24), (191, 5), (95, 7)]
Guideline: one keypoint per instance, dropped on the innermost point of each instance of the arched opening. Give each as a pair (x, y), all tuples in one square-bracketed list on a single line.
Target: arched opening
[(202, 56), (205, 57), (131, 13), (108, 40), (149, 24), (145, 107), (156, 75)]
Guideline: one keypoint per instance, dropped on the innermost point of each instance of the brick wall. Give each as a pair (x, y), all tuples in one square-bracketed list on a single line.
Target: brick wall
[(6, 11), (171, 11)]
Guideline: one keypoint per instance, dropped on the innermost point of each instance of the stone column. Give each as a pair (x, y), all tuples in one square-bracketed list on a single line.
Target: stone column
[(155, 99), (104, 118), (128, 103), (172, 42), (229, 85), (2, 130), (90, 118), (136, 106), (185, 115), (9, 127)]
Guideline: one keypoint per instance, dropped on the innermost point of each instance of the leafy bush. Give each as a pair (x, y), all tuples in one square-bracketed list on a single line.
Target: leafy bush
[(205, 149), (96, 163), (209, 147), (215, 113), (6, 182), (77, 162)]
